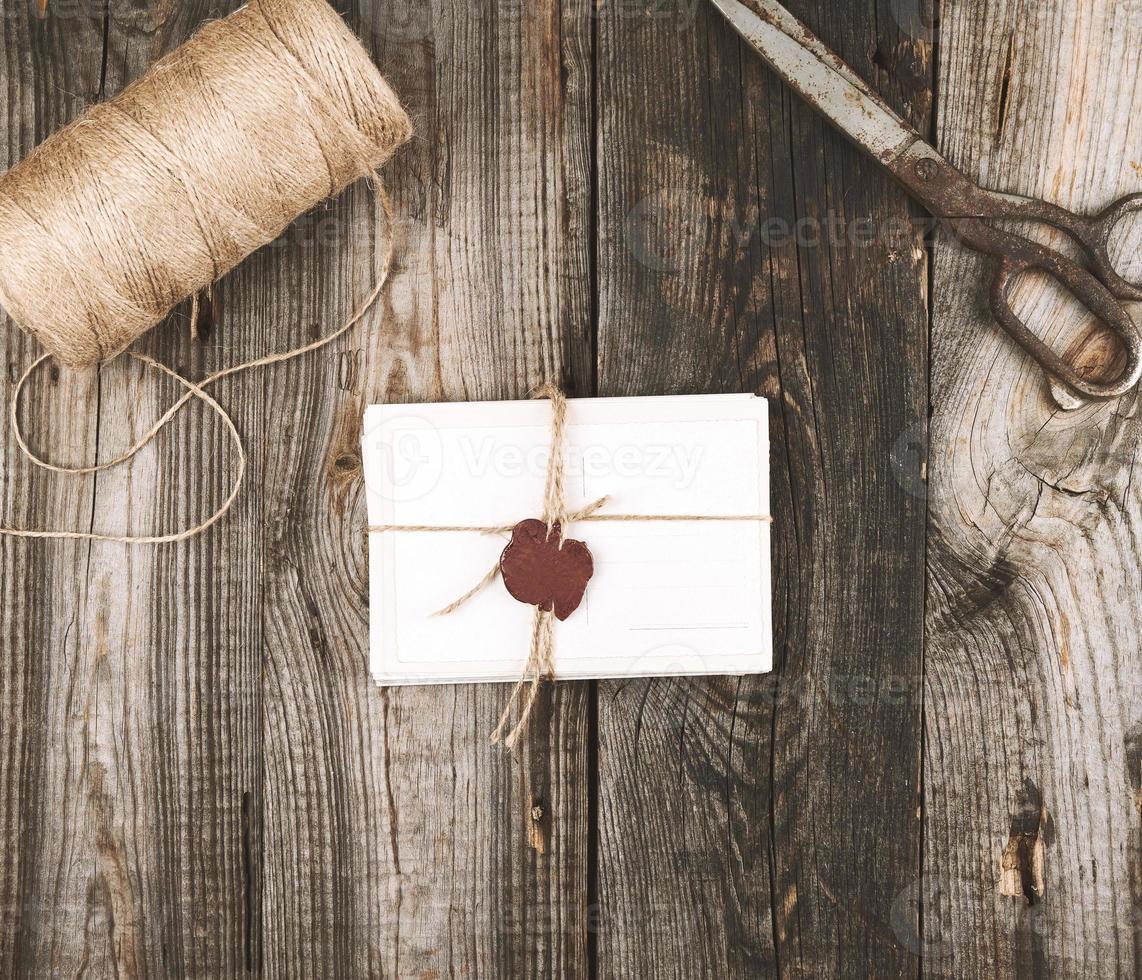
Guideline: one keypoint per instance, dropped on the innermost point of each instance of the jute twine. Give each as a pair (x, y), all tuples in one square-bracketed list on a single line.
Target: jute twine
[(148, 198), (540, 664)]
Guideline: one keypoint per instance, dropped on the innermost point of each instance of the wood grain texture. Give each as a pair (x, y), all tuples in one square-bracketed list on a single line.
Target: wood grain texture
[(943, 776), (764, 826), (155, 735), (62, 880), (1032, 707), (239, 798), (397, 840)]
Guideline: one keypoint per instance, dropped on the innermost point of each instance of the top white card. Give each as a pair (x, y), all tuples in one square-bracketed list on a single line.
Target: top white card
[(666, 598)]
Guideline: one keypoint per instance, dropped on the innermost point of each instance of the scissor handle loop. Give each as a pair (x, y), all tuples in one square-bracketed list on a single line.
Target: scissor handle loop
[(1099, 300), (1098, 248), (1092, 232)]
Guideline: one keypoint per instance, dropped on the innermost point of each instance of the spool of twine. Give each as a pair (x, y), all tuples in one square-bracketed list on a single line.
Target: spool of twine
[(148, 198)]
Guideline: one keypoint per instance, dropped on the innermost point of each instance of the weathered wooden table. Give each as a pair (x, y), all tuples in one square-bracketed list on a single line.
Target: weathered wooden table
[(197, 777)]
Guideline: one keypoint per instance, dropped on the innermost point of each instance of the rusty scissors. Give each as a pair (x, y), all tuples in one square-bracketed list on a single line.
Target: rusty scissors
[(829, 85)]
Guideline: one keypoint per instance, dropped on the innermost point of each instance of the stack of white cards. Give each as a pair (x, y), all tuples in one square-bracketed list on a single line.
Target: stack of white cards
[(690, 597)]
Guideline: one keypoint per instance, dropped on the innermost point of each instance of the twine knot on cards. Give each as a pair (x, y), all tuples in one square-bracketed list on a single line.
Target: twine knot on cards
[(148, 198), (541, 566)]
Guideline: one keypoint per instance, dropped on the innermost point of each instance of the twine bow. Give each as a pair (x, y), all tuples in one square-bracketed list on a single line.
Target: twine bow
[(541, 658)]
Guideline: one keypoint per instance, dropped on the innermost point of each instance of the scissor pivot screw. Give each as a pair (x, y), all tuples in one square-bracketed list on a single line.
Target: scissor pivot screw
[(926, 168)]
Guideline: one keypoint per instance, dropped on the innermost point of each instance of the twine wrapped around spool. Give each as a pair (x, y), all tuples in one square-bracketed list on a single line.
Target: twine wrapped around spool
[(148, 198)]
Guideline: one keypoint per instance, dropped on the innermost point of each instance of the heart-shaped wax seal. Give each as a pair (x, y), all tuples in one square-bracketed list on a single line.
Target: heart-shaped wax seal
[(538, 571)]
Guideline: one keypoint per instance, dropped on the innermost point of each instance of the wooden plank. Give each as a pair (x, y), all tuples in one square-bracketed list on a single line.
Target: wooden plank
[(742, 834), (188, 752), (56, 843), (1032, 706), (149, 737), (397, 841)]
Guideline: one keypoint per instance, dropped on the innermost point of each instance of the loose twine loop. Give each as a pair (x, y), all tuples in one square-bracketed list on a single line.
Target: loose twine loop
[(148, 198), (193, 390), (540, 663)]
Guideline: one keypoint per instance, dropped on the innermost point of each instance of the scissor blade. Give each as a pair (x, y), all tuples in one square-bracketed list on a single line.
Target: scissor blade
[(820, 77)]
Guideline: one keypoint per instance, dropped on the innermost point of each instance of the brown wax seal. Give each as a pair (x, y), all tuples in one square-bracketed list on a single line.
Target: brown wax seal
[(539, 572)]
